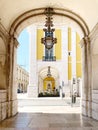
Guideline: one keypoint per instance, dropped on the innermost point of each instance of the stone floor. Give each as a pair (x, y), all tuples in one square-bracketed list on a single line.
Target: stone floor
[(49, 121), (67, 117)]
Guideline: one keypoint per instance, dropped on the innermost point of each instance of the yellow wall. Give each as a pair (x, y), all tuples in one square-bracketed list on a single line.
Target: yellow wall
[(79, 70), (78, 57), (69, 57), (40, 46), (69, 71), (58, 44), (69, 39), (40, 50), (45, 82)]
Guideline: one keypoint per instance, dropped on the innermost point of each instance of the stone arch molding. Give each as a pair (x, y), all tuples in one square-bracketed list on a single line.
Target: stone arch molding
[(43, 72), (25, 19)]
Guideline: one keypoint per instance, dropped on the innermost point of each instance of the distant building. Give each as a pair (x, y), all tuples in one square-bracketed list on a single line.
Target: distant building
[(22, 79), (63, 61)]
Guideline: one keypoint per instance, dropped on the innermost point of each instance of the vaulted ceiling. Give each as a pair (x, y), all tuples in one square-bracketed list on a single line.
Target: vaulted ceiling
[(11, 9)]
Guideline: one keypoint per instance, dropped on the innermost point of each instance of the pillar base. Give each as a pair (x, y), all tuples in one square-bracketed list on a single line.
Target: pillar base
[(32, 91)]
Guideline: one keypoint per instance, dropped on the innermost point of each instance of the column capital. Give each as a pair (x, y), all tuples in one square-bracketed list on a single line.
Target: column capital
[(14, 41), (85, 40)]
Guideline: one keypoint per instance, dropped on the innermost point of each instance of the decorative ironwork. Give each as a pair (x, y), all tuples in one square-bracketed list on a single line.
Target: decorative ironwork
[(49, 40), (45, 58)]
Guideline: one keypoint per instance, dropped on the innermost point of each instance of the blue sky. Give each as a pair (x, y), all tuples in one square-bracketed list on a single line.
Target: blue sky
[(23, 50)]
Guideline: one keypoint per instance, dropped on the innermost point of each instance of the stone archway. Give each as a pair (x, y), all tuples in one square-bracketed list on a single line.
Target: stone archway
[(45, 83), (22, 21)]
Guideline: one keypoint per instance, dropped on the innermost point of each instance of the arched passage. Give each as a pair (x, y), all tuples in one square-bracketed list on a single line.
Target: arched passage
[(27, 18), (46, 83)]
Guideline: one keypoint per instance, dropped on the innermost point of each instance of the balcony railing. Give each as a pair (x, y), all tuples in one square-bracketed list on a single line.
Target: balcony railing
[(52, 58)]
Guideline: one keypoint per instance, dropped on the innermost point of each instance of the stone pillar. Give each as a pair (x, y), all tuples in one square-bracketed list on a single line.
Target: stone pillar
[(8, 96), (89, 59), (12, 88), (86, 78), (65, 54), (14, 81), (64, 73), (33, 85), (73, 54), (14, 53), (74, 83)]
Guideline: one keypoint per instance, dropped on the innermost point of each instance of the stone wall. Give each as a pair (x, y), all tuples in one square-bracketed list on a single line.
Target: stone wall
[(95, 104), (8, 95), (7, 108), (94, 47), (3, 104)]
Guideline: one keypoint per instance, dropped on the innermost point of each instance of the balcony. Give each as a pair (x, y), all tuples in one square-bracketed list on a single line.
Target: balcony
[(52, 58)]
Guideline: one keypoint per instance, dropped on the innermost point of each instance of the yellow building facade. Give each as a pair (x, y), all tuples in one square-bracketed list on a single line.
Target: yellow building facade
[(58, 50), (68, 58)]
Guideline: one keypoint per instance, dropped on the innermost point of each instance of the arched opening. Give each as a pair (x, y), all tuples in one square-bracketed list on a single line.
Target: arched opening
[(48, 85), (22, 62), (76, 23)]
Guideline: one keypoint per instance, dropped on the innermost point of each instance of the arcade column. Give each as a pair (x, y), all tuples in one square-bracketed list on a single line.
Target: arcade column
[(33, 85)]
